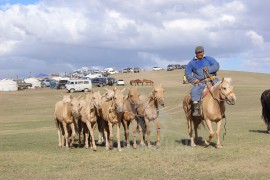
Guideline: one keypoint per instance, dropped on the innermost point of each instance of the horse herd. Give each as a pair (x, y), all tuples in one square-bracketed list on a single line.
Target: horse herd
[(80, 115), (137, 82)]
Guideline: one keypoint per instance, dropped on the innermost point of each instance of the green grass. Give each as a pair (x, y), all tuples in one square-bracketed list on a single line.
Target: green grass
[(28, 145)]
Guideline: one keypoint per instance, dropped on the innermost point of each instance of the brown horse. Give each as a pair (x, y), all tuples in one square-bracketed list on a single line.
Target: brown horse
[(149, 110), (131, 103), (148, 82), (213, 109), (136, 82)]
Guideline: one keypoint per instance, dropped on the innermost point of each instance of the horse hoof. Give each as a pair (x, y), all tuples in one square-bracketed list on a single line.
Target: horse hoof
[(218, 146), (142, 144), (206, 143), (193, 145), (94, 148), (86, 147), (158, 145), (119, 149), (149, 146), (128, 145)]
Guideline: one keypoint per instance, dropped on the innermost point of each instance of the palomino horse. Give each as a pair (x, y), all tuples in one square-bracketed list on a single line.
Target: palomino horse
[(64, 118), (213, 109), (111, 114), (131, 102), (148, 82), (150, 111), (265, 101), (90, 106)]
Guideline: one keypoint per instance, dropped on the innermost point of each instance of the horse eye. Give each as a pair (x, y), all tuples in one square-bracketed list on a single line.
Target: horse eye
[(224, 88)]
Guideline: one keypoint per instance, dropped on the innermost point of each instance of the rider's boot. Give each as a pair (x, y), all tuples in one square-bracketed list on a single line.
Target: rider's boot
[(196, 109)]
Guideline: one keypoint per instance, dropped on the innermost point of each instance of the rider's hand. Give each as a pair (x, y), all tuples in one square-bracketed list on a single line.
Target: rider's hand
[(196, 81), (206, 69)]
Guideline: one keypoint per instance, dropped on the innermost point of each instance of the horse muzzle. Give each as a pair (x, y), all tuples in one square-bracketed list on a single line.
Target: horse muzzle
[(231, 100)]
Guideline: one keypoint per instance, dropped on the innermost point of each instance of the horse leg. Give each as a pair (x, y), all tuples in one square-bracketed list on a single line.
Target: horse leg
[(86, 134), (158, 133), (65, 133), (79, 132), (110, 135), (211, 131), (126, 132), (118, 136), (73, 134), (218, 134), (134, 131), (190, 132), (139, 124), (148, 131), (105, 131), (92, 125), (196, 125)]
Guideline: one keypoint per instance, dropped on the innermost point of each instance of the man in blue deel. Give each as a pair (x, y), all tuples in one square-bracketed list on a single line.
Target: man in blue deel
[(200, 71)]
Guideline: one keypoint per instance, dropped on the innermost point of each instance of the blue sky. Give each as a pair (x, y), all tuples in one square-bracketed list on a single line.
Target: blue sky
[(18, 2), (49, 36)]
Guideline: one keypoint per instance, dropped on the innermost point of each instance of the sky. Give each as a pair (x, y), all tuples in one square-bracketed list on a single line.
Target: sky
[(58, 36)]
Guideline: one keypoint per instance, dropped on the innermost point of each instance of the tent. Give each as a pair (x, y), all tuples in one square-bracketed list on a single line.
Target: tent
[(8, 85), (35, 82)]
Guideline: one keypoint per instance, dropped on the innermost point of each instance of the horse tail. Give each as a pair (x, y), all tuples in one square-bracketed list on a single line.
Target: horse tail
[(130, 83), (265, 101)]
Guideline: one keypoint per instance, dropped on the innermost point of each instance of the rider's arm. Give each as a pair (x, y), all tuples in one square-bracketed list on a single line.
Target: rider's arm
[(214, 65), (188, 73)]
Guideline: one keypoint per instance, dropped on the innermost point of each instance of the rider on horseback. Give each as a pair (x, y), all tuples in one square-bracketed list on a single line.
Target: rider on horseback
[(199, 71)]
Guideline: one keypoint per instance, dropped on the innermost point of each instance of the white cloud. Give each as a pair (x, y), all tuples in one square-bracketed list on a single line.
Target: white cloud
[(255, 38)]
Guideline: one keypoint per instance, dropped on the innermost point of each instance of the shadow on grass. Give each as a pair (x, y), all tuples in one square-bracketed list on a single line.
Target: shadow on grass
[(260, 131), (199, 142)]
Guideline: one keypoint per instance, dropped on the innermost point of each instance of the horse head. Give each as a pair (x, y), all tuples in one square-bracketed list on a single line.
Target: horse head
[(118, 99), (75, 107), (226, 91), (158, 94), (134, 96), (96, 97)]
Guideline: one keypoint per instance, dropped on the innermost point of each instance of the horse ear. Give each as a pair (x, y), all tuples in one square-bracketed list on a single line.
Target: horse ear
[(114, 88), (123, 90), (106, 89), (160, 84), (222, 79)]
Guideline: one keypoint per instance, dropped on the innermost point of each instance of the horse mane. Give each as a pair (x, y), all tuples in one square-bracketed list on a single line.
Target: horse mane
[(229, 80)]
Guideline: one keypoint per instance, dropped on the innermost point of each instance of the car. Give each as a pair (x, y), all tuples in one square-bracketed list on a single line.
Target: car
[(62, 84), (99, 82), (45, 83), (22, 84), (170, 67), (136, 70), (111, 81), (79, 85), (157, 68), (120, 82)]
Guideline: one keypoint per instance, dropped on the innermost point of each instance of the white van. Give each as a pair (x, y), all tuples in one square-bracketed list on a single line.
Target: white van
[(79, 85)]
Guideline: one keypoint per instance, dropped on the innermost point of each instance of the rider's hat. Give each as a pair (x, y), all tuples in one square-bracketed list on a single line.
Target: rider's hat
[(199, 49)]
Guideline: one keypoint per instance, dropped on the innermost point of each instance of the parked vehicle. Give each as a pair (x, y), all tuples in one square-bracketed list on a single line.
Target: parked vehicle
[(136, 70), (111, 81), (79, 85), (170, 67), (62, 84), (45, 83), (22, 84), (99, 82), (120, 82), (157, 68)]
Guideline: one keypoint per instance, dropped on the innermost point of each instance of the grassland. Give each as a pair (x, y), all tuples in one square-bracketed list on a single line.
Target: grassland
[(28, 145)]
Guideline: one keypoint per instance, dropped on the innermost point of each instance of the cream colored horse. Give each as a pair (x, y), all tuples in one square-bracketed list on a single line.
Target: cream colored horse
[(150, 111), (131, 102), (111, 114), (213, 110), (89, 112)]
